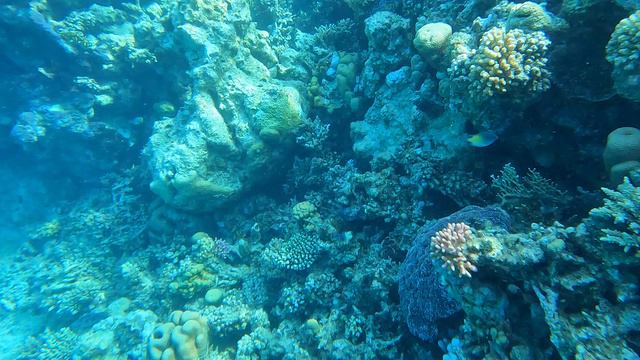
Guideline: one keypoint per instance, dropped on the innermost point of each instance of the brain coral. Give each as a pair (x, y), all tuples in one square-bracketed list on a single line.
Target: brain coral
[(509, 61), (623, 51), (431, 39)]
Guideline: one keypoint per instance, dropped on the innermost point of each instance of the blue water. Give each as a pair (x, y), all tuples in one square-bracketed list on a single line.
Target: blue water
[(329, 179)]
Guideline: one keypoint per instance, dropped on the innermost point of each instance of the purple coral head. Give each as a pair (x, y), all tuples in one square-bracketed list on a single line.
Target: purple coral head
[(222, 249)]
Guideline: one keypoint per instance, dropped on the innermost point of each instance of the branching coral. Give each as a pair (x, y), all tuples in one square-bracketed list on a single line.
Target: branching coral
[(509, 61), (297, 252), (622, 207), (531, 197), (623, 51), (450, 246)]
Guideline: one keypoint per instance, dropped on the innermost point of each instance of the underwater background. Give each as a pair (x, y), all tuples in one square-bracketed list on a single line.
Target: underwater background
[(327, 179)]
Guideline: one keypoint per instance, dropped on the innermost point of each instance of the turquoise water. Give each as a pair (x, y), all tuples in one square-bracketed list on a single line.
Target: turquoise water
[(330, 179)]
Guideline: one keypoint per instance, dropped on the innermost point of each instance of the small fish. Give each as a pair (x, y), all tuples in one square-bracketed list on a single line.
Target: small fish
[(482, 139), (46, 73)]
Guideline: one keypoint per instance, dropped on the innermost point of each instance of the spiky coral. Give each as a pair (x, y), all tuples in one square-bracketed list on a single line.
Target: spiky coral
[(450, 246)]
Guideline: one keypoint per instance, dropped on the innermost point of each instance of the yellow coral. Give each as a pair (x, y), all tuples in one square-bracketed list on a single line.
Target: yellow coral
[(431, 39), (508, 61)]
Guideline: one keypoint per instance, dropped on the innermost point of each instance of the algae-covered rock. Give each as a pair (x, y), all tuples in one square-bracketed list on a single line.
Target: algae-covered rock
[(231, 131), (389, 40)]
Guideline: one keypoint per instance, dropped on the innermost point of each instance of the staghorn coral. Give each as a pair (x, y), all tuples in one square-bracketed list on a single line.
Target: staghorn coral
[(509, 61), (450, 246), (623, 52)]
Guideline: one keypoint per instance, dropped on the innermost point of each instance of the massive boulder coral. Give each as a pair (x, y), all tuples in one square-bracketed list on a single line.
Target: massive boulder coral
[(528, 16), (623, 52), (184, 337), (432, 39)]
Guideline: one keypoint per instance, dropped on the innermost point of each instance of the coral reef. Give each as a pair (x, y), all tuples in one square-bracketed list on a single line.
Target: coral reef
[(303, 179)]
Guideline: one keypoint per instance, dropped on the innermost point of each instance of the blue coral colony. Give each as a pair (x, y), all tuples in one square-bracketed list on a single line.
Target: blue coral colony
[(326, 179)]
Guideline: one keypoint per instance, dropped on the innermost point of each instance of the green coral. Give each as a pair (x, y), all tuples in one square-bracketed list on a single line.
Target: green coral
[(280, 114)]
